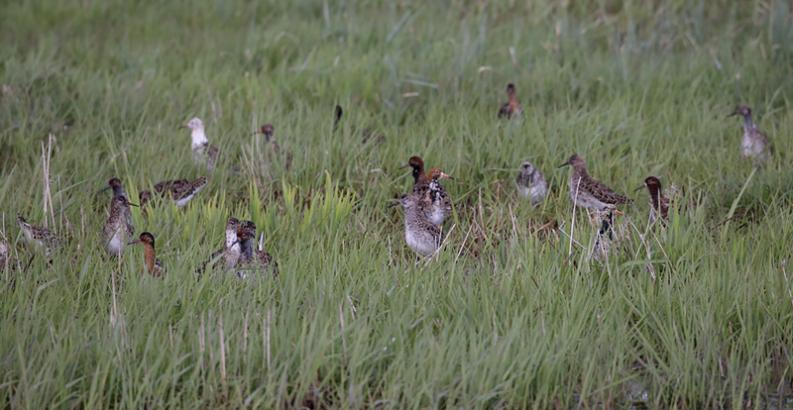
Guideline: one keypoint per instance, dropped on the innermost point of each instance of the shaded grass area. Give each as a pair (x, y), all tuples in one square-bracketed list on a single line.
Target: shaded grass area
[(692, 316)]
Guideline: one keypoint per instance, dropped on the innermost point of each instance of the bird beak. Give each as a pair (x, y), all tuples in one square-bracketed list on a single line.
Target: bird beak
[(638, 188), (445, 175), (732, 114), (563, 165), (131, 204), (135, 242), (183, 126), (103, 190)]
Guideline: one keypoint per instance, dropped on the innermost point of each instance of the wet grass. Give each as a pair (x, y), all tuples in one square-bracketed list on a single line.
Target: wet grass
[(697, 315)]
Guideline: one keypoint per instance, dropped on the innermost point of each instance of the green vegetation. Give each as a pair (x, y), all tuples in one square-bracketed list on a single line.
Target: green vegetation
[(502, 318)]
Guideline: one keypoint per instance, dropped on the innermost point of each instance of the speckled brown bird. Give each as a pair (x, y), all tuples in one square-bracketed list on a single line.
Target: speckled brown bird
[(587, 192), (38, 236), (181, 191), (118, 228)]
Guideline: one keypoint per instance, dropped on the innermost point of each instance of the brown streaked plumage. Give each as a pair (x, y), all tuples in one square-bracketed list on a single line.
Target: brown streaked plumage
[(38, 235), (118, 229), (153, 265), (181, 191), (4, 255), (588, 192), (512, 107), (755, 144)]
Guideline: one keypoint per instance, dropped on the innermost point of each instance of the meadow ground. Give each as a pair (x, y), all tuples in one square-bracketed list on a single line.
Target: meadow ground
[(698, 315)]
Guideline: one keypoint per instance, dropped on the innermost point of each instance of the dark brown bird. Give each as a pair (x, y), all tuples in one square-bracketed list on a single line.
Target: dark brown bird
[(512, 107), (659, 204), (253, 258), (417, 165)]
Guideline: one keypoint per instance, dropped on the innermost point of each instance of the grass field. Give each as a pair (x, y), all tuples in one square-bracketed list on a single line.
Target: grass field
[(697, 315)]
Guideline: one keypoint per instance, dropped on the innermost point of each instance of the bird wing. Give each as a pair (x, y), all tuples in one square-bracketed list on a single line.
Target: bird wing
[(603, 193)]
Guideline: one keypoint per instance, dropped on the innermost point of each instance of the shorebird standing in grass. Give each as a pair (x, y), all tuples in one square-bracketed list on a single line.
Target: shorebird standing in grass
[(589, 193), (755, 144), (269, 138), (38, 236), (231, 251), (512, 107), (153, 265), (204, 153), (531, 183), (253, 257), (118, 229), (659, 204), (441, 205), (421, 234), (181, 191)]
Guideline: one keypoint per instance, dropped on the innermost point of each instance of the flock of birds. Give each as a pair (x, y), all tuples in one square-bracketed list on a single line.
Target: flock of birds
[(426, 207)]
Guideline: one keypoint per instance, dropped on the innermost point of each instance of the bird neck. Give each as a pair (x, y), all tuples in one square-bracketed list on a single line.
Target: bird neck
[(748, 124), (418, 174), (199, 137), (149, 256), (655, 196)]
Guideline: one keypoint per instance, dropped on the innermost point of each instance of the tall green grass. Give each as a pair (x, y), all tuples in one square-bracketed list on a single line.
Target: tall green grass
[(697, 315)]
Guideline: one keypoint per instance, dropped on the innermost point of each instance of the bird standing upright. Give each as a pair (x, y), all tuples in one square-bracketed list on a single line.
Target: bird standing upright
[(153, 265), (511, 108), (755, 144), (588, 192), (204, 153), (421, 234), (659, 204), (531, 183), (118, 228)]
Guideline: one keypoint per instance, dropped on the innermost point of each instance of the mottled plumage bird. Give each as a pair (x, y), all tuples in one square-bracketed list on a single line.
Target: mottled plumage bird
[(512, 107), (204, 153), (181, 191), (755, 144), (276, 153), (153, 265), (531, 183), (421, 235), (588, 192), (38, 236), (440, 204), (253, 258), (118, 228), (659, 204)]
